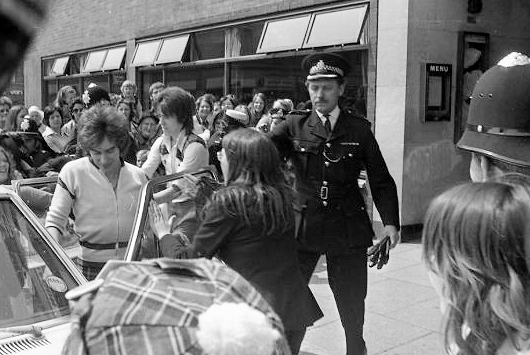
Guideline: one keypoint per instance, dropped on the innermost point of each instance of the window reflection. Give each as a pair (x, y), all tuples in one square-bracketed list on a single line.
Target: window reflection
[(33, 280)]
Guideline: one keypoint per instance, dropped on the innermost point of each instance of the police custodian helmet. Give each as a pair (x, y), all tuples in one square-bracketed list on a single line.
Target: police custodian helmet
[(498, 123)]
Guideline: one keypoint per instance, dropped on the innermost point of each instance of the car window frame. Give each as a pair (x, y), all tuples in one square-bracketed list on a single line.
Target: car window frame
[(143, 207)]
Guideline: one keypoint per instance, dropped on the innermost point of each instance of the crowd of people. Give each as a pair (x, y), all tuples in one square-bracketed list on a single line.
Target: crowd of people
[(289, 195)]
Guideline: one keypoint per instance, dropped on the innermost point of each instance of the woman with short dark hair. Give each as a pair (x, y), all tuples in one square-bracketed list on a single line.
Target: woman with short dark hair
[(101, 190), (178, 148)]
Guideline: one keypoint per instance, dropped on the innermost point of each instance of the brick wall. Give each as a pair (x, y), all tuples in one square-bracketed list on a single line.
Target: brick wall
[(69, 27)]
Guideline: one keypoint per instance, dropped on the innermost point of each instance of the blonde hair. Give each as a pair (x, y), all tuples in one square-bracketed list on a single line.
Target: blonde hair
[(474, 240)]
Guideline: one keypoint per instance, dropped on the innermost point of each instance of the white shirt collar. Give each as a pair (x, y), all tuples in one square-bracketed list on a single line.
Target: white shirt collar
[(333, 116)]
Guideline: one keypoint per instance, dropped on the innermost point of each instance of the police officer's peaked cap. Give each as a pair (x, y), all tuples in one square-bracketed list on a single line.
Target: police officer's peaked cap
[(325, 66), (498, 123)]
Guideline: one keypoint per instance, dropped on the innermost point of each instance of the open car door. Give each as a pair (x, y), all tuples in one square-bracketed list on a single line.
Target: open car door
[(35, 275), (37, 193), (181, 194)]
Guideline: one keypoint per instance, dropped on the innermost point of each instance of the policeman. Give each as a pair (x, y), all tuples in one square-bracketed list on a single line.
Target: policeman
[(328, 146)]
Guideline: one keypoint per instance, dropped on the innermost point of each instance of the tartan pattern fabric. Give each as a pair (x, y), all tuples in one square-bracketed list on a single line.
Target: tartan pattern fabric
[(152, 307), (89, 269)]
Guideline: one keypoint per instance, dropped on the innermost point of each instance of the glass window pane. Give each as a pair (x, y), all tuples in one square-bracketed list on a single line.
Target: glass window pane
[(198, 80), (172, 49), (117, 79), (114, 59), (209, 44), (248, 78), (145, 53), (99, 80), (285, 34), (247, 39), (95, 61), (51, 91), (59, 65), (336, 27), (185, 210), (34, 279), (149, 77)]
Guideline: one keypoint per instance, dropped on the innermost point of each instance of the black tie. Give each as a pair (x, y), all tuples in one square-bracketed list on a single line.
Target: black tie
[(327, 123)]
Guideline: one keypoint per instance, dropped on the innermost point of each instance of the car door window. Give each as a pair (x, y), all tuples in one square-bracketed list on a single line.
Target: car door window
[(37, 194), (33, 279), (181, 195)]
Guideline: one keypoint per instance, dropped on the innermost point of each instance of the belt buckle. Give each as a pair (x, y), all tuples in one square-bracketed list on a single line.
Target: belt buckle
[(324, 192)]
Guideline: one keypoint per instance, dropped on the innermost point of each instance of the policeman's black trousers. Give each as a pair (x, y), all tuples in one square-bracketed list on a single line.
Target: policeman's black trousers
[(347, 275)]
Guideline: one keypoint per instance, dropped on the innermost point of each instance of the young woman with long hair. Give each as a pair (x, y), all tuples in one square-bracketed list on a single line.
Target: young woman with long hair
[(249, 224), (257, 108), (476, 247)]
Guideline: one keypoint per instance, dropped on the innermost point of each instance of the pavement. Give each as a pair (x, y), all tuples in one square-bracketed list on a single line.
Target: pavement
[(402, 310)]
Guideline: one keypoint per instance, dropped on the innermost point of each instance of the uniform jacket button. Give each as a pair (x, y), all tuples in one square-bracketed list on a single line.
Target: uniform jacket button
[(350, 155), (328, 145), (324, 203), (302, 149), (326, 163), (325, 183)]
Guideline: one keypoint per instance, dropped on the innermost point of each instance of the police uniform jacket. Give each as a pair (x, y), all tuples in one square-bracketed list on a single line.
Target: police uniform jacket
[(333, 217)]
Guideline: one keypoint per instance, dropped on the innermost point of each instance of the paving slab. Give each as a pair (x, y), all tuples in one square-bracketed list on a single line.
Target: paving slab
[(402, 310)]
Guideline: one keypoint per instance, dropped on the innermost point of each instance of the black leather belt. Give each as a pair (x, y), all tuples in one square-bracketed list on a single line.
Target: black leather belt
[(107, 246)]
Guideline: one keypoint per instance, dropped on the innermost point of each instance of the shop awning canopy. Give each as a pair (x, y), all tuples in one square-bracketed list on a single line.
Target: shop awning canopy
[(166, 50), (114, 58), (59, 66), (318, 29)]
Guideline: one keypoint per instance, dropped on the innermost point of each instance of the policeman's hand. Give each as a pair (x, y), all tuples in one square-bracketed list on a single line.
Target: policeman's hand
[(392, 232), (379, 253)]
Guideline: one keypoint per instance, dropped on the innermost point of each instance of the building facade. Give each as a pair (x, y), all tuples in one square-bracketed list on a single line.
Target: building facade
[(244, 47)]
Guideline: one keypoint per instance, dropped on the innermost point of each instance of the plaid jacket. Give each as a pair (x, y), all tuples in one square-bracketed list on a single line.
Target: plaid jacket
[(152, 307)]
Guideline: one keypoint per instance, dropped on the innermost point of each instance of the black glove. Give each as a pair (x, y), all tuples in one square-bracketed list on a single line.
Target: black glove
[(379, 253)]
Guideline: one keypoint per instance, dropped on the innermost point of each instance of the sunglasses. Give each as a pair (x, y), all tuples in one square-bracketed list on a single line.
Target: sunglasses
[(281, 111)]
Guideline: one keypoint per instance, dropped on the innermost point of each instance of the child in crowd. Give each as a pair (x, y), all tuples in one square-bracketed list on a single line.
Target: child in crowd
[(476, 249), (141, 157)]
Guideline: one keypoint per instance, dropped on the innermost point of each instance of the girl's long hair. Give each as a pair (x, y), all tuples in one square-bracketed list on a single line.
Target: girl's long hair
[(474, 240), (256, 188), (12, 172)]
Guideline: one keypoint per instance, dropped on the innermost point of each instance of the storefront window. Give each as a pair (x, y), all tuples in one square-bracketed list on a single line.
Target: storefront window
[(247, 78), (206, 79), (208, 45), (51, 93), (99, 80), (116, 80), (148, 77), (247, 38)]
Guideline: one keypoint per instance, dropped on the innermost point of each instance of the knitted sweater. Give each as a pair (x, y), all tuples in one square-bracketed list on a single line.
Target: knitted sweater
[(102, 216)]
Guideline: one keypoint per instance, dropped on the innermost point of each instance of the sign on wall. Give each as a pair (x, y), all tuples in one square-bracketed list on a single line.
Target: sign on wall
[(438, 92)]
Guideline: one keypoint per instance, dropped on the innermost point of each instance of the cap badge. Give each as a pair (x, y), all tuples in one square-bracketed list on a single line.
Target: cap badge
[(322, 67)]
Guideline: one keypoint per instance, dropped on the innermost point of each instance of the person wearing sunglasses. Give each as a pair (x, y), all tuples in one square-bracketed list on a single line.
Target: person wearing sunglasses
[(76, 109), (280, 109)]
